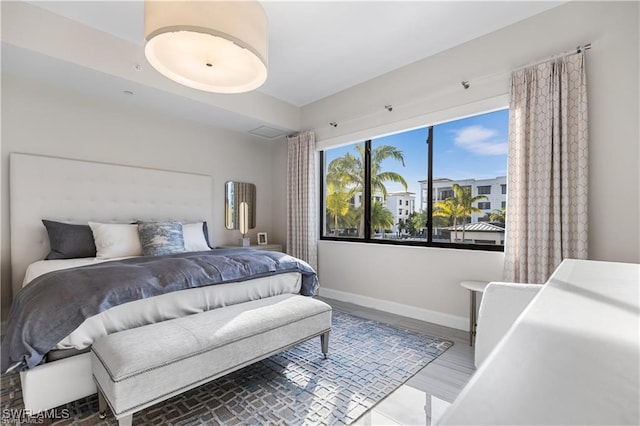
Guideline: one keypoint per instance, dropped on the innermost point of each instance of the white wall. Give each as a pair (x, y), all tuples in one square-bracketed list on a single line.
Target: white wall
[(279, 192), (44, 120), (419, 282), (40, 119), (427, 92)]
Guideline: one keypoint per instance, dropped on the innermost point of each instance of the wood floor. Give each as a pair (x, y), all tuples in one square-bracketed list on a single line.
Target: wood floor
[(420, 397), (415, 401)]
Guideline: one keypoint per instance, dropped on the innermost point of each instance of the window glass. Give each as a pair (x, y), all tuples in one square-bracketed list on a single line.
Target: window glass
[(343, 191), (398, 163), (469, 158), (484, 189), (453, 203)]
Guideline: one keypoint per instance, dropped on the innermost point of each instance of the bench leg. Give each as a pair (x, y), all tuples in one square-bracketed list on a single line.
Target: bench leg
[(324, 342), (102, 406)]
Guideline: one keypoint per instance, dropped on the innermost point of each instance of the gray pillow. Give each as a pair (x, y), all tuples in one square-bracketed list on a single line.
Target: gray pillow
[(159, 238), (205, 229), (69, 241)]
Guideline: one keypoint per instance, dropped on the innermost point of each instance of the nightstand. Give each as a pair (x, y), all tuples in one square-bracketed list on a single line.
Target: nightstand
[(271, 247)]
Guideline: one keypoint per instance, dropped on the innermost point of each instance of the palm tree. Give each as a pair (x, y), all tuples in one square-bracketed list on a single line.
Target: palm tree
[(352, 219), (419, 220), (451, 209), (466, 201), (498, 215), (348, 172), (378, 177), (338, 202), (381, 216), (458, 206)]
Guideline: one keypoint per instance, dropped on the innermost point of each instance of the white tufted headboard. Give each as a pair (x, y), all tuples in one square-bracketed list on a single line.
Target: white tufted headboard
[(80, 191)]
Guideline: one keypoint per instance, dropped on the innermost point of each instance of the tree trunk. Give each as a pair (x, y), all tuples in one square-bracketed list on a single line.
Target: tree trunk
[(455, 229), (463, 223)]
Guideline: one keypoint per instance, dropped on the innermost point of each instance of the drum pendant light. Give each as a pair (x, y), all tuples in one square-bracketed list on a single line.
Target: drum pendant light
[(215, 46)]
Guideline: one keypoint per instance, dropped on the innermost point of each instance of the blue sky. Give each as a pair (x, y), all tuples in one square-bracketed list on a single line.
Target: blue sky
[(474, 147)]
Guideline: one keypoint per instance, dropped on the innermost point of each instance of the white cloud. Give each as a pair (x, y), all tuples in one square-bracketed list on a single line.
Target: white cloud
[(480, 140)]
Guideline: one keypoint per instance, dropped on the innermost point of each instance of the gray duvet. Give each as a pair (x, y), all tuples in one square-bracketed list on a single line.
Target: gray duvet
[(55, 304)]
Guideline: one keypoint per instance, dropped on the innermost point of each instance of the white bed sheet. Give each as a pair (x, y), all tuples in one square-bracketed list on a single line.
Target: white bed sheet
[(166, 306), (41, 267)]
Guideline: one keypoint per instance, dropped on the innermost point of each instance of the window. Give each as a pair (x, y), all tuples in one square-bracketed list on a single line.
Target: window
[(484, 190), (436, 170), (344, 180), (503, 204), (445, 193), (503, 188)]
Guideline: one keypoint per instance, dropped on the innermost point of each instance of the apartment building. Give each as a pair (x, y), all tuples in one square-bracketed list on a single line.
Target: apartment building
[(495, 191), (401, 204)]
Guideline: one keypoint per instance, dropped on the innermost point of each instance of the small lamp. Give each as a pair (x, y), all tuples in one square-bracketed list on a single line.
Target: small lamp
[(244, 224)]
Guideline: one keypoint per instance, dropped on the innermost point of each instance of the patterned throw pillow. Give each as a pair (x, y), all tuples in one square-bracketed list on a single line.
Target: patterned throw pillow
[(159, 238)]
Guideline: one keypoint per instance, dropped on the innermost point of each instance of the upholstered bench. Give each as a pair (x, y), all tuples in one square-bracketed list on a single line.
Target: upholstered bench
[(137, 368)]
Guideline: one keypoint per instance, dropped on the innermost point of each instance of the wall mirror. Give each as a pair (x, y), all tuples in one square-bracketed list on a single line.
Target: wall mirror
[(235, 194)]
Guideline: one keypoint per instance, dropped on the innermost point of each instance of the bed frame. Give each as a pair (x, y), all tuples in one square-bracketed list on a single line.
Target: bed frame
[(77, 191)]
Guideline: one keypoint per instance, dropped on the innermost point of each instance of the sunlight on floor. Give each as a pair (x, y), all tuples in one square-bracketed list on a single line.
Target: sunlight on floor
[(423, 398)]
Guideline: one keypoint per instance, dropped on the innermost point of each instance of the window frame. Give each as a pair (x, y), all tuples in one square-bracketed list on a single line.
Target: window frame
[(484, 187), (367, 239), (492, 104)]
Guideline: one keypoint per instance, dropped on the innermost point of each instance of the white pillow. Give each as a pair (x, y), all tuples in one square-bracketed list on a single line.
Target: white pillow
[(193, 234), (116, 240)]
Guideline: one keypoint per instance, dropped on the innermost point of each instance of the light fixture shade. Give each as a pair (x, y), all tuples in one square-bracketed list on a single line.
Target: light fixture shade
[(216, 46)]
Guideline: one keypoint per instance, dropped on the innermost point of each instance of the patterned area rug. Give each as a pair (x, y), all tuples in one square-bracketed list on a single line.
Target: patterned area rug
[(367, 361)]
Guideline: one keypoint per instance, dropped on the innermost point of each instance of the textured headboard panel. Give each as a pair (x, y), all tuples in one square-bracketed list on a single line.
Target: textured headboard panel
[(80, 191)]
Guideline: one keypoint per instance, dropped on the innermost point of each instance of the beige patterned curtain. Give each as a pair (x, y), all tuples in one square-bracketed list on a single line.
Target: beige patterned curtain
[(548, 169), (302, 226)]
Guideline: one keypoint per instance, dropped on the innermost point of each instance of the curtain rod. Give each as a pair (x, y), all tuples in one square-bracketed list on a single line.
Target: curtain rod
[(465, 83), (578, 49)]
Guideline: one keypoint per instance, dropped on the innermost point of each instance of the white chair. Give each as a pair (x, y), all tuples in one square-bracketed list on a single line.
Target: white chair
[(501, 304)]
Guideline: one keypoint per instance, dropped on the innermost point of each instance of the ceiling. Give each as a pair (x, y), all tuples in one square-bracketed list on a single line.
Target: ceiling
[(316, 49)]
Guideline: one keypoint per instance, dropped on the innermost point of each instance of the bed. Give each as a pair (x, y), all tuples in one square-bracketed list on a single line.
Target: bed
[(80, 192)]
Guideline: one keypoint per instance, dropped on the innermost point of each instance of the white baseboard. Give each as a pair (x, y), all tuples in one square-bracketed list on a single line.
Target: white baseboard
[(448, 320)]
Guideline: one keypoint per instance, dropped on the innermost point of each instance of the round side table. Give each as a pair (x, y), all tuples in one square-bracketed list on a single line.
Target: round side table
[(473, 287)]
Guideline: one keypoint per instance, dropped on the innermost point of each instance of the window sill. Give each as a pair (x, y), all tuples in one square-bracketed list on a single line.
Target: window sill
[(404, 243)]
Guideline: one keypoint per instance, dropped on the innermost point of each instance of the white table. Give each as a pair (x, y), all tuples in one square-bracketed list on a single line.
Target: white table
[(572, 357)]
